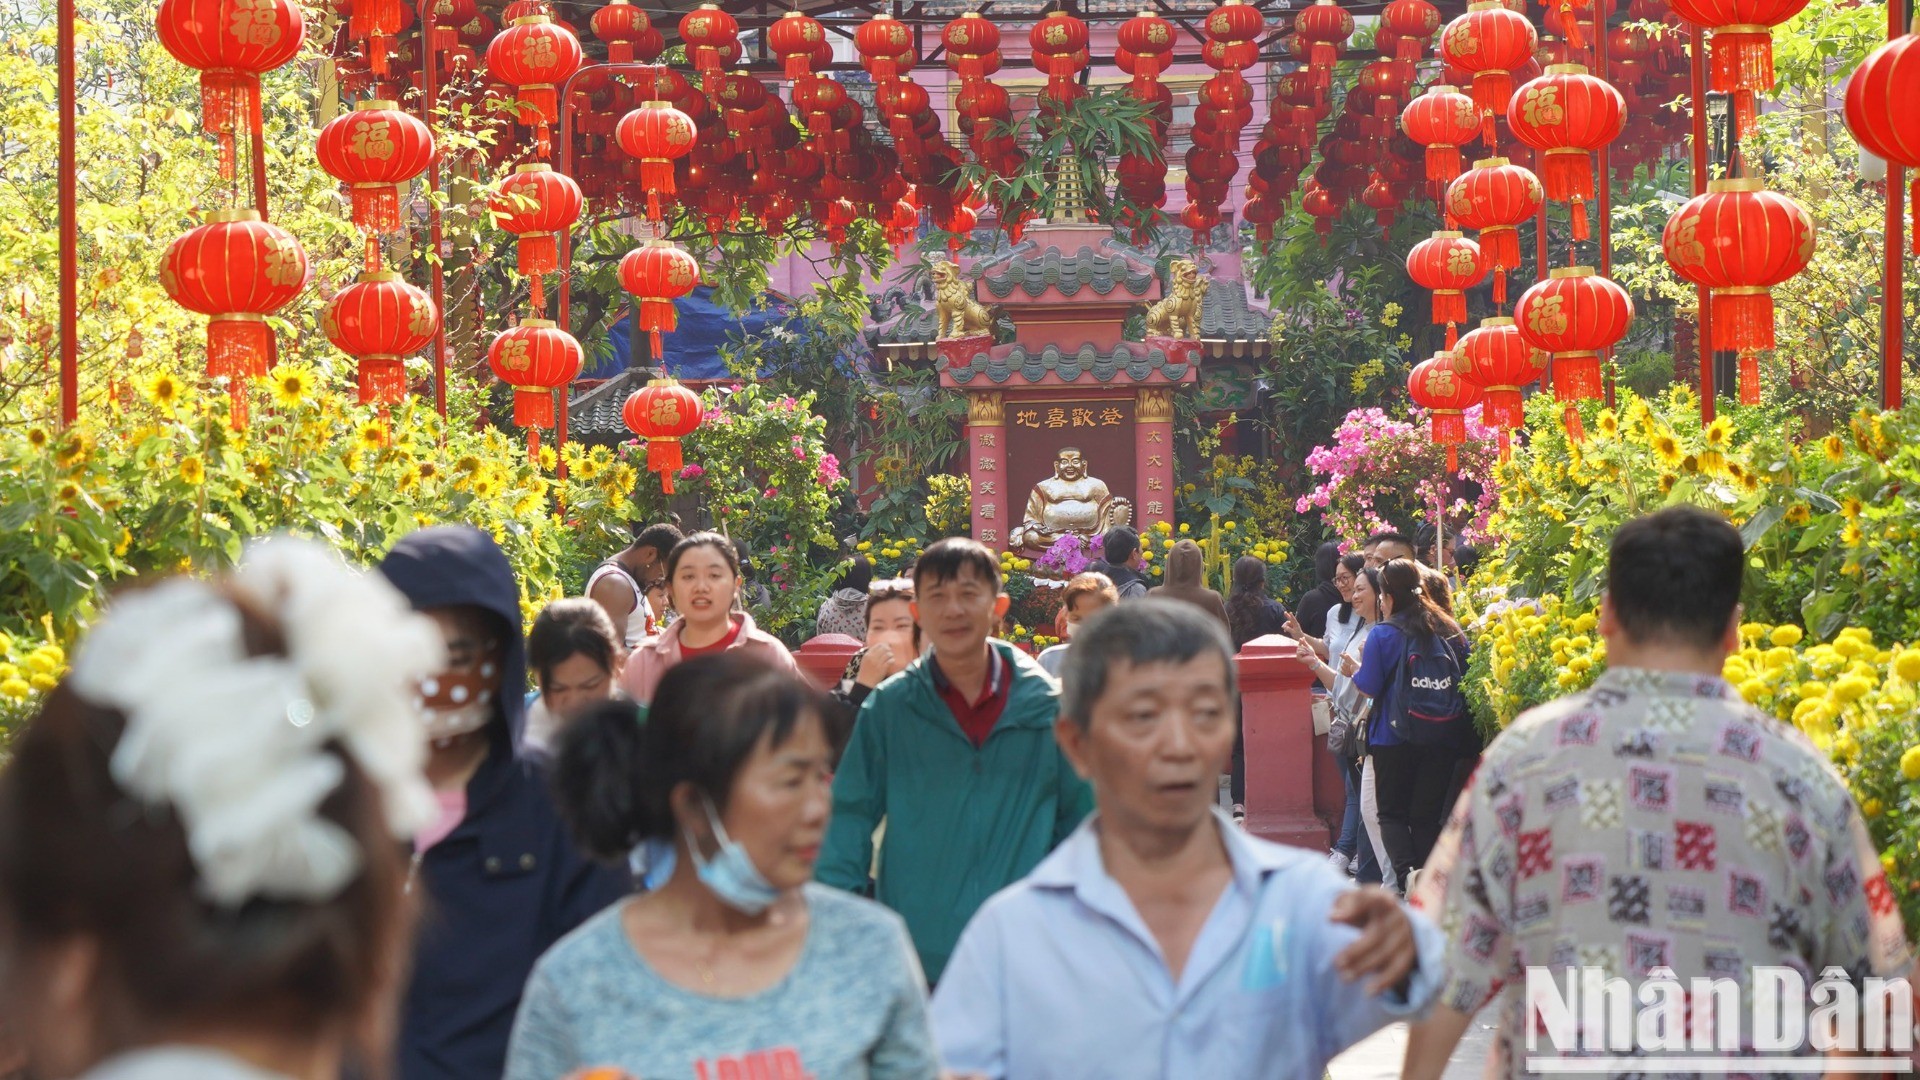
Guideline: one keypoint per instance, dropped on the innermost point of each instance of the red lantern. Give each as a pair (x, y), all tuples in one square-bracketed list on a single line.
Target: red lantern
[(1742, 35), (623, 27), (1491, 42), (1442, 120), (663, 412), (1497, 359), (1882, 95), (708, 33), (1575, 315), (1412, 23), (237, 270), (535, 358), (231, 43), (380, 321), (657, 134), (375, 150), (658, 273), (1325, 26), (534, 204), (534, 55), (1435, 387), (1380, 197), (793, 40), (1567, 113), (1055, 39), (1493, 198), (1324, 207), (1740, 240), (882, 40), (970, 39), (1447, 264), (1150, 39), (1234, 20)]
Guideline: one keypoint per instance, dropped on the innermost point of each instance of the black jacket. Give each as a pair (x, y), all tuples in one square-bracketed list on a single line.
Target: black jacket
[(508, 882), (1313, 608)]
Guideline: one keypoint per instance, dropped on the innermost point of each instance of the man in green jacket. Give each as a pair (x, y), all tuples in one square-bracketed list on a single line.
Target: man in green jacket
[(956, 755)]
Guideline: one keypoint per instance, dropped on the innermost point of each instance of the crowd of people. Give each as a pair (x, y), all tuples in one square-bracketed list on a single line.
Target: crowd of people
[(305, 822)]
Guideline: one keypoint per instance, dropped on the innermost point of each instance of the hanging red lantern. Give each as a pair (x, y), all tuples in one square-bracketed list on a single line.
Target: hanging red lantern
[(1325, 26), (1442, 120), (1568, 114), (1493, 198), (1234, 20), (657, 134), (534, 55), (231, 43), (535, 358), (1412, 23), (969, 40), (1882, 95), (881, 41), (237, 270), (708, 33), (1150, 39), (1055, 39), (1740, 240), (793, 39), (375, 150), (380, 320), (658, 273), (1434, 386), (1324, 207), (1447, 264), (1742, 46), (1492, 42), (535, 203), (1575, 315), (623, 27), (663, 412), (1380, 197), (1497, 359)]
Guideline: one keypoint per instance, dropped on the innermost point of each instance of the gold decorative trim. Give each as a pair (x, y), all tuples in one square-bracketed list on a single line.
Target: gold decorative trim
[(986, 408), (1154, 405)]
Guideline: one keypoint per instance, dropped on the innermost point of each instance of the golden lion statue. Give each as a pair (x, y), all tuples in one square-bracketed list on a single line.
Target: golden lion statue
[(1178, 314), (958, 314)]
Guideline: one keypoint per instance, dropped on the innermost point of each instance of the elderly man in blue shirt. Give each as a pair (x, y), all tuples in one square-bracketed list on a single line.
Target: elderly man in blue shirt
[(1159, 940)]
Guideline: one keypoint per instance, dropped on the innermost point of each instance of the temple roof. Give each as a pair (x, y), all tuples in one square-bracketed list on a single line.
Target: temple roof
[(1029, 268), (593, 416), (1226, 315), (1129, 362)]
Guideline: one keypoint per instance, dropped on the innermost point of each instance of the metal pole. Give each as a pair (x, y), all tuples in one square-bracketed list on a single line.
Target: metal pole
[(436, 271), (69, 226), (1697, 94), (259, 155), (1892, 359)]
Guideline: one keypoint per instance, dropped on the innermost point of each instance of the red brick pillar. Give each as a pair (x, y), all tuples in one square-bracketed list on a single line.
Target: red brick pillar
[(1276, 702), (1153, 463)]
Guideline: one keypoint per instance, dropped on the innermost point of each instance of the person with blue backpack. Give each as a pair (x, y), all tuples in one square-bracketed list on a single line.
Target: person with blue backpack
[(1414, 669)]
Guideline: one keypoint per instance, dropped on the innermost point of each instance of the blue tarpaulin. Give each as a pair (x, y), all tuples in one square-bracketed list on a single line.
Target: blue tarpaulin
[(693, 350)]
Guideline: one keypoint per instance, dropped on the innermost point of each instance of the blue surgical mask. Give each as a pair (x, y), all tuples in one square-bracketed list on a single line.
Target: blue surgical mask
[(730, 874)]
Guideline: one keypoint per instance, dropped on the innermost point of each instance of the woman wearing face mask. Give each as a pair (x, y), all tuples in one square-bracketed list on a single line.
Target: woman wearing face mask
[(703, 582), (738, 964), (1356, 851), (1084, 595)]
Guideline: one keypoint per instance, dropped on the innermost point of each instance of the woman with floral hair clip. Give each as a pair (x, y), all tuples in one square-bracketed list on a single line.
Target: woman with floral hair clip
[(201, 871)]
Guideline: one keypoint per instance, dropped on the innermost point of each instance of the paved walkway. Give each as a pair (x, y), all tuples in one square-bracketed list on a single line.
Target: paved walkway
[(1380, 1057)]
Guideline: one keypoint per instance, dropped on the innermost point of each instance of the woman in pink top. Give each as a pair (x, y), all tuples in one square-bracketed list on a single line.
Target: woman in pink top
[(703, 577)]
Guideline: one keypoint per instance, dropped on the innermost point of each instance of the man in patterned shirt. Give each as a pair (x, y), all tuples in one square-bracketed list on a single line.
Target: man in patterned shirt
[(1654, 821)]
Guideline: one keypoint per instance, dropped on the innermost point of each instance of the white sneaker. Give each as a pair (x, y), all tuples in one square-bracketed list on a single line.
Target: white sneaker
[(1338, 861)]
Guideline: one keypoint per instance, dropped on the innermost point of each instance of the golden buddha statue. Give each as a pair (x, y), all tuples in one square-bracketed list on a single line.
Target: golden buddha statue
[(1069, 501)]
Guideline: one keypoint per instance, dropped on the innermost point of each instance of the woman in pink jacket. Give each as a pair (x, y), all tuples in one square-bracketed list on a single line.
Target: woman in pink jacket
[(703, 577)]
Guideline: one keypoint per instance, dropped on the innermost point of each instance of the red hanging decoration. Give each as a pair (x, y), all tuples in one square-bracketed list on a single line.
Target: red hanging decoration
[(623, 27), (1492, 42), (380, 321), (535, 55), (973, 46), (1442, 120), (1740, 240), (376, 150), (1448, 264), (1325, 26), (1494, 197), (883, 40), (1434, 386), (793, 39), (657, 134), (1883, 112), (658, 273), (709, 32), (535, 358), (1496, 358), (231, 43), (1742, 46), (535, 203), (1149, 39), (1575, 315), (1567, 114), (237, 270), (663, 412)]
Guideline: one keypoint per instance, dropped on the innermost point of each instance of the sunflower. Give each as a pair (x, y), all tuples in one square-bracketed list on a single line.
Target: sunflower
[(1690, 464), (548, 458), (409, 479), (165, 392), (1850, 508), (1850, 534), (1667, 449), (587, 469), (1719, 432), (73, 451), (428, 470), (1835, 450), (1799, 514), (193, 470), (293, 385), (70, 492), (467, 464), (262, 469), (526, 504), (1667, 480), (37, 438), (1608, 424), (371, 436), (483, 487)]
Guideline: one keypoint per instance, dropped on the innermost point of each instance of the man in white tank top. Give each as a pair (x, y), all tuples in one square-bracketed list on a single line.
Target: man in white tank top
[(619, 584)]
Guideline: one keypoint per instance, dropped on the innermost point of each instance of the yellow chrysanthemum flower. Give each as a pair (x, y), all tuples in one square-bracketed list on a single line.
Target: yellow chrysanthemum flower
[(1910, 763), (15, 688), (1907, 665)]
